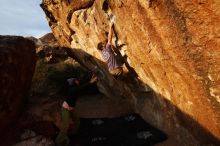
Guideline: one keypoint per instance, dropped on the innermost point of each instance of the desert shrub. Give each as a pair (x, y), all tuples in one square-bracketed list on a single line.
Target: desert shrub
[(50, 79)]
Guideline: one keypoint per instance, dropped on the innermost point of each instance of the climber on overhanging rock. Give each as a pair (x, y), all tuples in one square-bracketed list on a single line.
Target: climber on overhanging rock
[(109, 56), (73, 90)]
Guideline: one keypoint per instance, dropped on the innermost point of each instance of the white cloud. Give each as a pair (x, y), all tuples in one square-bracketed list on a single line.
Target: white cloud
[(22, 17)]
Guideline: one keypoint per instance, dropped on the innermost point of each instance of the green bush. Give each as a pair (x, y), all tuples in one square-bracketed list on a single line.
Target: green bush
[(50, 79)]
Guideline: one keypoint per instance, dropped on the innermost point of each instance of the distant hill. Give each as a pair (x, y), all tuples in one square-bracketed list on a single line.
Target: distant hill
[(37, 42), (49, 39), (46, 40)]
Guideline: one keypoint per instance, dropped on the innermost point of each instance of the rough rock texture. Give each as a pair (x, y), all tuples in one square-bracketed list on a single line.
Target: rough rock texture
[(17, 64), (173, 46)]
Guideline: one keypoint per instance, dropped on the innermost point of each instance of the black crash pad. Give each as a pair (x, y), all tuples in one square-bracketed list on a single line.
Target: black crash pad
[(128, 130)]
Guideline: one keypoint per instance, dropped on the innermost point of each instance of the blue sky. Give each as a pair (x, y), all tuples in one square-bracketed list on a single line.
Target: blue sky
[(22, 17)]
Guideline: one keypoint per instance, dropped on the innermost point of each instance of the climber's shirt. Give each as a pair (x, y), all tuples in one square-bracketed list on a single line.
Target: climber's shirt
[(72, 92), (110, 58)]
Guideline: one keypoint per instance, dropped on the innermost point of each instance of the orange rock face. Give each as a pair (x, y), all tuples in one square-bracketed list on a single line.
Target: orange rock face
[(174, 48), (17, 64)]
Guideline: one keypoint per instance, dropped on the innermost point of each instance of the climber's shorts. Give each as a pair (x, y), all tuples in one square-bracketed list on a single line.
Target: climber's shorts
[(117, 72)]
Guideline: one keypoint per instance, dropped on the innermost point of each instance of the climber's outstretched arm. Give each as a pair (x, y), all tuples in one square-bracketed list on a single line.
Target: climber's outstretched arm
[(110, 33)]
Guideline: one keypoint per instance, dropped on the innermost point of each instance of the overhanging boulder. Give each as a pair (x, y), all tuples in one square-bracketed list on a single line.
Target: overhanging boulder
[(173, 47)]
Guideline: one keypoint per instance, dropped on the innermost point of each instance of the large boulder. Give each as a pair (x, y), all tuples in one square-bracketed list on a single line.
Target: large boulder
[(17, 64), (172, 46)]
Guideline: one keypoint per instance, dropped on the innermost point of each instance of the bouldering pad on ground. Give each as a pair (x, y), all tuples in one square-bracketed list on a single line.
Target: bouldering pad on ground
[(128, 130)]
